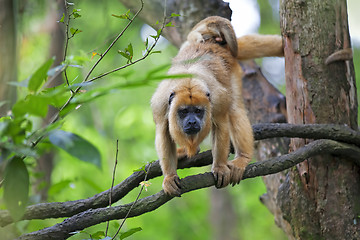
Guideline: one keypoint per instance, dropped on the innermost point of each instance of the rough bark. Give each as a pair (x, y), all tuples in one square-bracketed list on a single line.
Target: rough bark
[(191, 13), (320, 197), (8, 55)]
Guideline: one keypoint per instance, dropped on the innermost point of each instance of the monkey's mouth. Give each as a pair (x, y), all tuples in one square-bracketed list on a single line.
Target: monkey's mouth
[(192, 130)]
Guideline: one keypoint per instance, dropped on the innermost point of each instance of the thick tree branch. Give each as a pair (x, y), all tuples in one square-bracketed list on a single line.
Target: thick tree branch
[(94, 216), (261, 131), (312, 131)]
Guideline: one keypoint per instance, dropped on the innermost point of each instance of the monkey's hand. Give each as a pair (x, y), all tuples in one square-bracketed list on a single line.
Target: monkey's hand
[(237, 168), (171, 185), (221, 175)]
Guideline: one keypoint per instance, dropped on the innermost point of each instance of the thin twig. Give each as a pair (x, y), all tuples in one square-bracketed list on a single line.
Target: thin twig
[(74, 92), (148, 52), (67, 16), (137, 198), (112, 183)]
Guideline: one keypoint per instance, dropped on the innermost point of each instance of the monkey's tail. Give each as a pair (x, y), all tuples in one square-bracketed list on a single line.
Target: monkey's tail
[(256, 46)]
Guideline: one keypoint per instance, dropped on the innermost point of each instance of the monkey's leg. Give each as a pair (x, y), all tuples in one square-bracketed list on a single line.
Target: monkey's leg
[(243, 141), (220, 151), (166, 149)]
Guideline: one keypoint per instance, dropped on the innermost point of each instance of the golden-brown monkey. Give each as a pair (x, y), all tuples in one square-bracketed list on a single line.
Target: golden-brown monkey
[(185, 110)]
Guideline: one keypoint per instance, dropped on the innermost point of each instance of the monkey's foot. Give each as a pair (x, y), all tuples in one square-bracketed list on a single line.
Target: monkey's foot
[(221, 175), (171, 185), (237, 168)]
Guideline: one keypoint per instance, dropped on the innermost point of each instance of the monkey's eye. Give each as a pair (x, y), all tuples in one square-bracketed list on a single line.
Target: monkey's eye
[(208, 94), (198, 110), (183, 112)]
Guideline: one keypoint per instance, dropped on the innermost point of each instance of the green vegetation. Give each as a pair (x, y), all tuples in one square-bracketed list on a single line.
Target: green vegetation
[(94, 115)]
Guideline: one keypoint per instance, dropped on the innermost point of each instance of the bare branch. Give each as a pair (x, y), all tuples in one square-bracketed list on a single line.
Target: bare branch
[(311, 131), (261, 131), (94, 216)]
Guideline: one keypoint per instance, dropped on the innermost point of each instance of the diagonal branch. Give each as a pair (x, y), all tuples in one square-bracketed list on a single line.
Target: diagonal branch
[(95, 216), (261, 131)]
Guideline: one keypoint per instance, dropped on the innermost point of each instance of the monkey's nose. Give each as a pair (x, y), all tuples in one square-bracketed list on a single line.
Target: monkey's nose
[(192, 127)]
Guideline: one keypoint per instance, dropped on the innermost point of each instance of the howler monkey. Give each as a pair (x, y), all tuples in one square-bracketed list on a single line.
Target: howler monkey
[(186, 110)]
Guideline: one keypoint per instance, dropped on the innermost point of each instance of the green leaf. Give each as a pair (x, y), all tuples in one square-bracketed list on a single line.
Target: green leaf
[(124, 54), (123, 16), (130, 50), (56, 70), (19, 149), (56, 96), (76, 13), (32, 104), (129, 232), (62, 18), (170, 24), (98, 235), (152, 52), (39, 77), (15, 128), (74, 31), (175, 15), (76, 146), (16, 187)]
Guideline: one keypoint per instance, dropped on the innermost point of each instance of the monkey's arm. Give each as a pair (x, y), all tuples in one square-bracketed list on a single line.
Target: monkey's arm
[(220, 151), (166, 149), (255, 46)]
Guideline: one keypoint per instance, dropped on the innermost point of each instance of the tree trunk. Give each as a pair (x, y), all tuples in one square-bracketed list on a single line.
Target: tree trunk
[(45, 163), (320, 197), (8, 55)]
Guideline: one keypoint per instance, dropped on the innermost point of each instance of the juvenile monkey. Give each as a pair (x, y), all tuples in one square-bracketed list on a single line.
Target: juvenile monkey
[(186, 110)]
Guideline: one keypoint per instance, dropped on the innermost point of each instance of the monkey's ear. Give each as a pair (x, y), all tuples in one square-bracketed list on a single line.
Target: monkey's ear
[(172, 95)]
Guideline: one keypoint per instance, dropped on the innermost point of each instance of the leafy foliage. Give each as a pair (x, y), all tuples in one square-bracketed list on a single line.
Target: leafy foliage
[(24, 140), (16, 187), (76, 146)]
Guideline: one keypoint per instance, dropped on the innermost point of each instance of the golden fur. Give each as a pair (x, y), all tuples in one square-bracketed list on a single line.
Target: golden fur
[(210, 54)]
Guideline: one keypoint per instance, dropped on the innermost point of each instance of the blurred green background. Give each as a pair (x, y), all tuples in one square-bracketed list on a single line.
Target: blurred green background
[(125, 114)]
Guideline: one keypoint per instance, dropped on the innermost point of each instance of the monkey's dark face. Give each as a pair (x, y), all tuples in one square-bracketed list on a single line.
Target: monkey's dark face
[(191, 118), (189, 114)]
